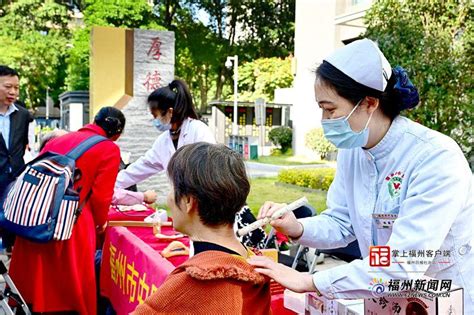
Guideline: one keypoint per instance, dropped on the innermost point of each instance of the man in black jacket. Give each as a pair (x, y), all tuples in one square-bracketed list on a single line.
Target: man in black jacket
[(13, 128)]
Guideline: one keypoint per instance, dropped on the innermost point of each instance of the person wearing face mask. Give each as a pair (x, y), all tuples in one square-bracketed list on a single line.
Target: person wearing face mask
[(174, 115), (397, 184)]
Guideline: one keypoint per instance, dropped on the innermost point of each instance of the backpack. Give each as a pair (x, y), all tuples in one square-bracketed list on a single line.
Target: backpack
[(42, 205)]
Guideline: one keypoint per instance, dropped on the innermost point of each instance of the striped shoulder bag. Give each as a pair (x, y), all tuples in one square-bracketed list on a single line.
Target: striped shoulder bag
[(42, 205)]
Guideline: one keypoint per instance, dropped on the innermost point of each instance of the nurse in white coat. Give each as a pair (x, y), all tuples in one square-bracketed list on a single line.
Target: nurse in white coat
[(397, 184), (174, 115)]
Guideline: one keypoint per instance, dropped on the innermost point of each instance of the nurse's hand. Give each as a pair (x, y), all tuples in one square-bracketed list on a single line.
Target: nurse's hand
[(286, 276), (287, 224)]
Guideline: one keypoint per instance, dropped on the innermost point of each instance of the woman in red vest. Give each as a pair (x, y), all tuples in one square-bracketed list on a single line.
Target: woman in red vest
[(59, 276)]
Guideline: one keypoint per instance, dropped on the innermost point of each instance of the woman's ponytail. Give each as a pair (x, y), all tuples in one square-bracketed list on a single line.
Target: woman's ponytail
[(183, 105), (177, 96)]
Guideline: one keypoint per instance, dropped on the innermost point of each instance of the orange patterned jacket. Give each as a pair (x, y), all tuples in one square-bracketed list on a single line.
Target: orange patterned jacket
[(211, 282)]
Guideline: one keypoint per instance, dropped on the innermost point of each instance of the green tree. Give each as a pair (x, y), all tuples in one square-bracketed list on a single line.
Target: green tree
[(434, 41), (230, 27), (119, 13), (202, 45), (247, 28), (78, 60), (259, 78), (197, 52), (269, 26), (34, 35)]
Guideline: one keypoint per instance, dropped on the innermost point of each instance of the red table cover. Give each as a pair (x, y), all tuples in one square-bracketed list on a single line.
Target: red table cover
[(132, 268)]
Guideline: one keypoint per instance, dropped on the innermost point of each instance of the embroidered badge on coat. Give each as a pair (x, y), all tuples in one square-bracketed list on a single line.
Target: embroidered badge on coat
[(394, 183)]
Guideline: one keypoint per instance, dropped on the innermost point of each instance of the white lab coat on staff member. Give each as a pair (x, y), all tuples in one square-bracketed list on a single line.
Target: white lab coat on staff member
[(156, 159), (420, 177), (397, 183), (173, 111)]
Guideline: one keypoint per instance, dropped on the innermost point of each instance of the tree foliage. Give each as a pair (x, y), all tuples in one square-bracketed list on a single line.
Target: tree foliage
[(51, 47), (268, 27), (34, 34), (120, 13), (259, 78), (433, 40), (78, 60), (230, 27)]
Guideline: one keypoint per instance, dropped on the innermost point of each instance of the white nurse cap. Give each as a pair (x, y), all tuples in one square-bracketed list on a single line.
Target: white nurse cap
[(363, 61)]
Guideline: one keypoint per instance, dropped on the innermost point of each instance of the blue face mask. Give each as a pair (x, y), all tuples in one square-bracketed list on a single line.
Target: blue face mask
[(339, 132), (160, 126)]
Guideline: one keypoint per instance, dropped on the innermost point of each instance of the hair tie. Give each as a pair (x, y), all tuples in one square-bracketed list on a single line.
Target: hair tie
[(172, 86), (407, 92), (115, 123), (112, 120)]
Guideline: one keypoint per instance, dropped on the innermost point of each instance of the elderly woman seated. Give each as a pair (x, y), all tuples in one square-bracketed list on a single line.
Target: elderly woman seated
[(209, 186)]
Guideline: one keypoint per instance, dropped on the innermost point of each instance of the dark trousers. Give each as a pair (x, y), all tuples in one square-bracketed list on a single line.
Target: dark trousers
[(5, 180), (7, 238)]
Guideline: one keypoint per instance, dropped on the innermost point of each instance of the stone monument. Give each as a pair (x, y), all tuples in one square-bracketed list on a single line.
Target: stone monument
[(126, 66)]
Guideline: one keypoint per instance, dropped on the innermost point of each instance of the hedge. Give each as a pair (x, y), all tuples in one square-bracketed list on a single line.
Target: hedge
[(316, 178)]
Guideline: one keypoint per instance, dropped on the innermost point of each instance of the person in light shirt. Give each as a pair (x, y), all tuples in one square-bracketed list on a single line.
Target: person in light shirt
[(129, 198), (174, 115), (398, 183)]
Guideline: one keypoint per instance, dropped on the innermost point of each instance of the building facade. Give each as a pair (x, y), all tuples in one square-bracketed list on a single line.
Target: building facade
[(320, 27)]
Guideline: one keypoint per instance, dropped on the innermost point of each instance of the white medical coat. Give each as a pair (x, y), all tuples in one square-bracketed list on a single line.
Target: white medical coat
[(414, 173), (157, 158)]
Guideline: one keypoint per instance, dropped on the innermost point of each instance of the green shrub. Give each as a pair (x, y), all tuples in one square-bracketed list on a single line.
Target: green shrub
[(278, 152), (281, 136), (316, 141), (316, 178)]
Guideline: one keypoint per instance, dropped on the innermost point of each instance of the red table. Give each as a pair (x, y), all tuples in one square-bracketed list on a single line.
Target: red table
[(132, 268)]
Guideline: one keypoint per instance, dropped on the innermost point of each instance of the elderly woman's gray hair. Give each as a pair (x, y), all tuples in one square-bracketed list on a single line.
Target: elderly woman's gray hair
[(51, 135)]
